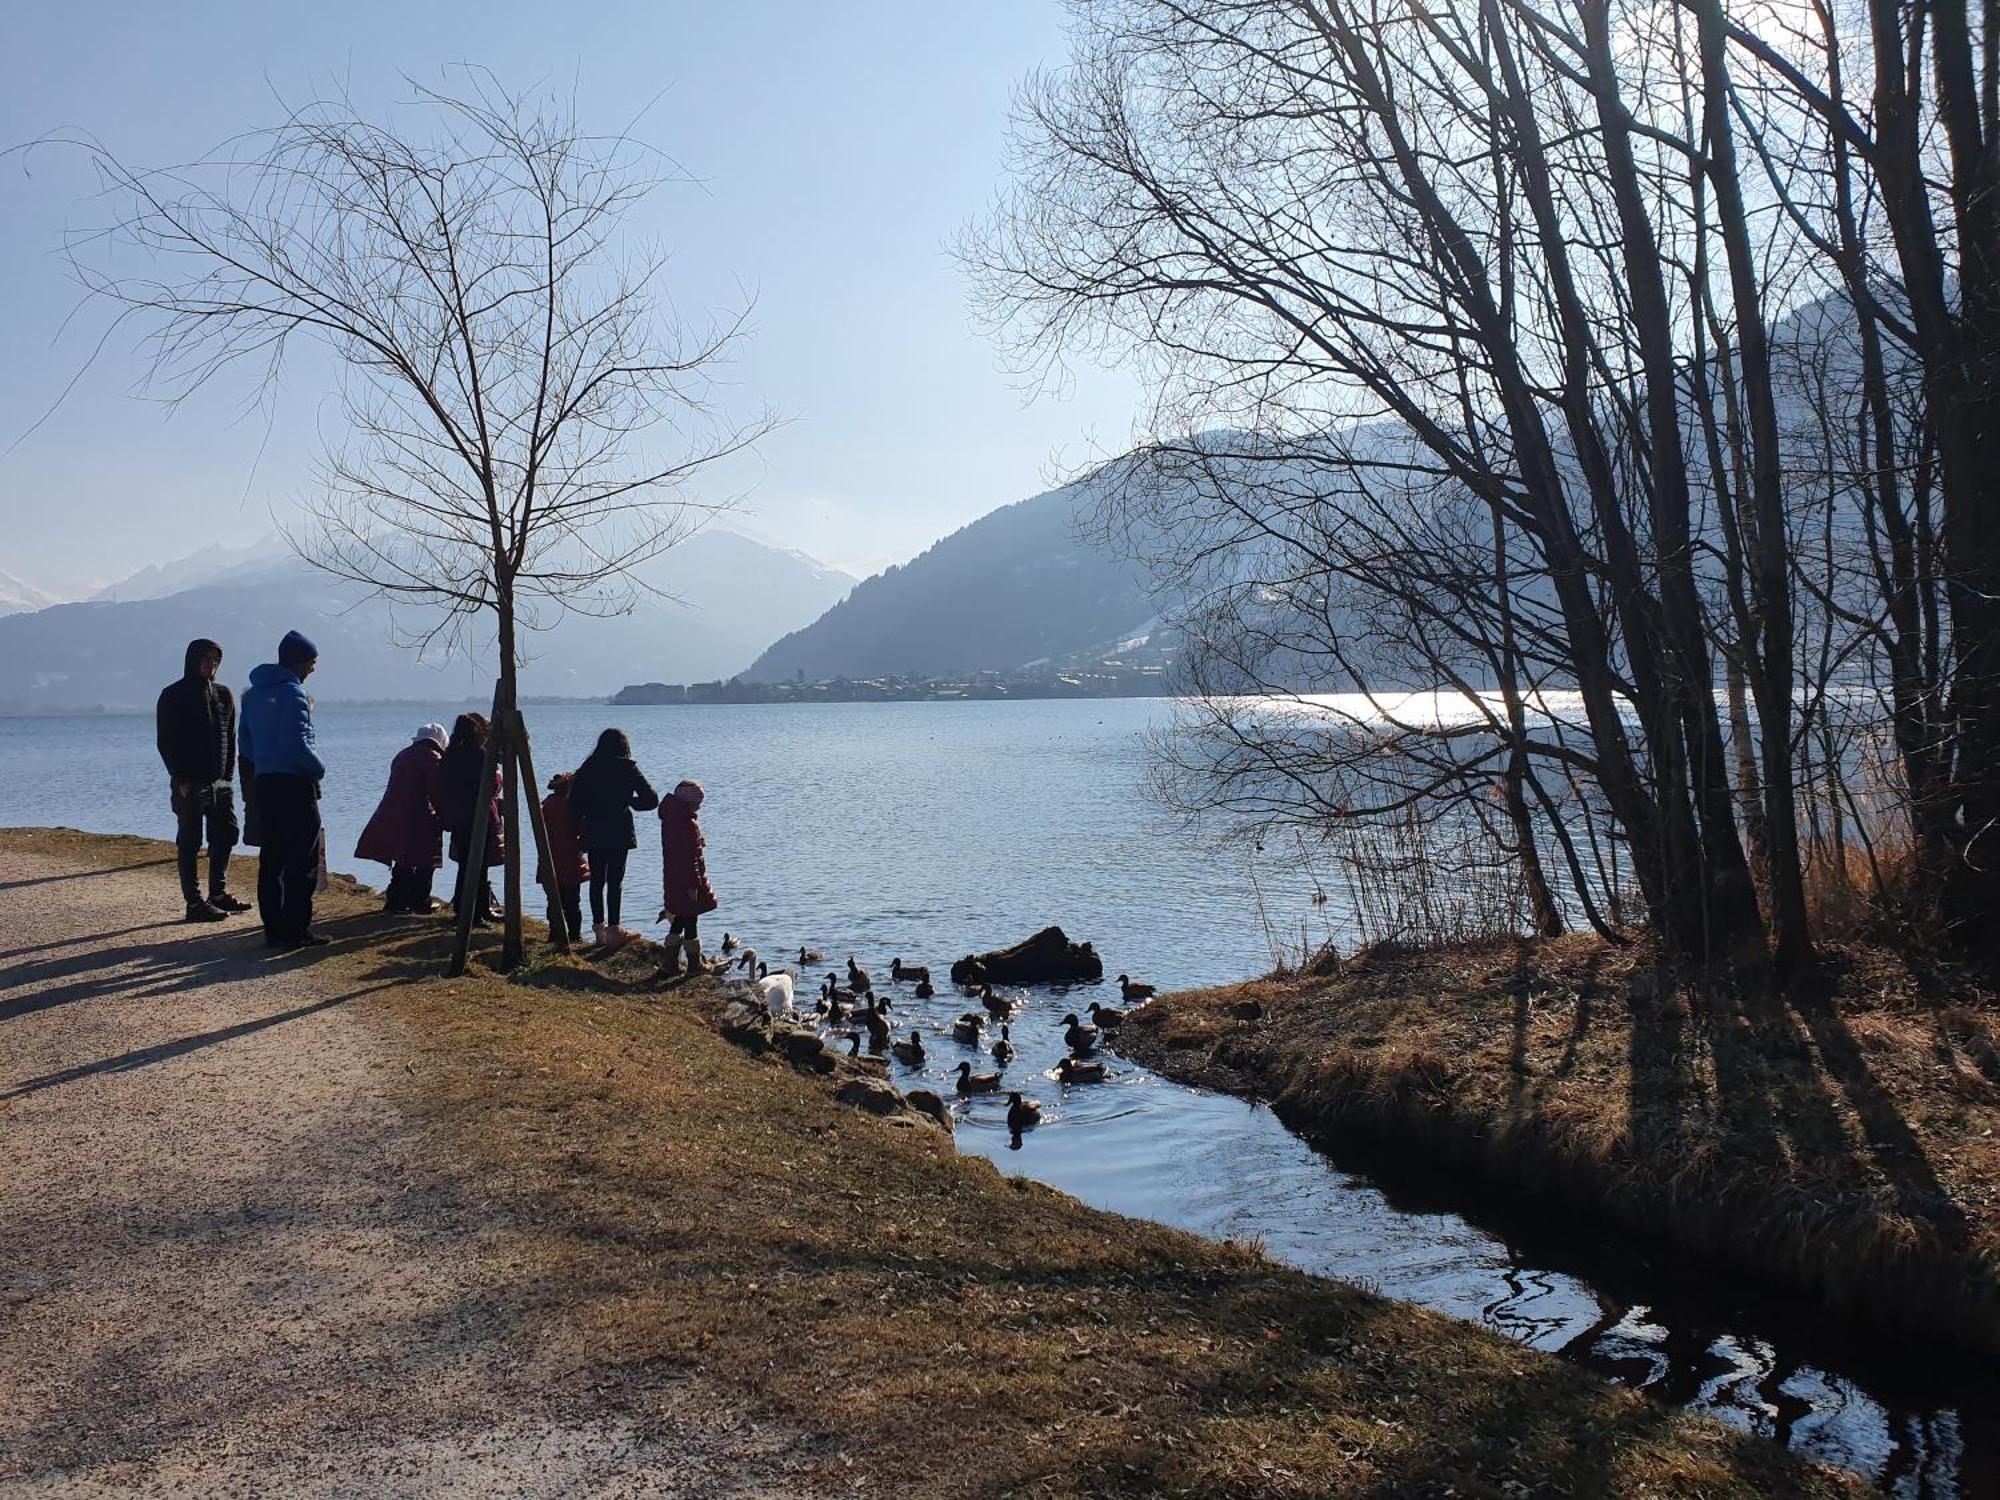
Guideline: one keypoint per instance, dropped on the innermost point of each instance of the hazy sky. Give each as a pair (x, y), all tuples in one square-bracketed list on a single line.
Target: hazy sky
[(839, 146)]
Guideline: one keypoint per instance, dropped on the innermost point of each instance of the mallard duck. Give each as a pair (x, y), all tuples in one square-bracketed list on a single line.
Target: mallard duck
[(997, 1006), (729, 943), (1128, 991), (910, 1052), (835, 992), (966, 1028), (873, 1065), (877, 1028), (1069, 1070), (1003, 1050), (857, 976), (1076, 1036), (904, 973), (924, 990), (1104, 1017), (970, 1082), (1023, 1114), (811, 956)]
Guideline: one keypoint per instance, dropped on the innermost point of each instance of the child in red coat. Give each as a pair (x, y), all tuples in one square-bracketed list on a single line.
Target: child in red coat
[(688, 893), (566, 851)]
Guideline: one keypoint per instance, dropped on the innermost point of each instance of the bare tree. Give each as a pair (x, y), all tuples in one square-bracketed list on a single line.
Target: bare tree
[(523, 406)]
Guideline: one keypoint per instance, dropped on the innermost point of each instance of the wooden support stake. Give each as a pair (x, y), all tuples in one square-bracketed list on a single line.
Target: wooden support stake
[(559, 933)]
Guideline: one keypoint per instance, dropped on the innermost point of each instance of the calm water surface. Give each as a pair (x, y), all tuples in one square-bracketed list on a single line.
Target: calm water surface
[(928, 830)]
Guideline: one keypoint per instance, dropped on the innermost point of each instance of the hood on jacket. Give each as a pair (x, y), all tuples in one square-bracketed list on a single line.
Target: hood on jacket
[(677, 810), (197, 652), (271, 673)]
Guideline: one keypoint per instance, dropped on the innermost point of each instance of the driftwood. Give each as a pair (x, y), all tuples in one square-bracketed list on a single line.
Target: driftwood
[(1049, 957)]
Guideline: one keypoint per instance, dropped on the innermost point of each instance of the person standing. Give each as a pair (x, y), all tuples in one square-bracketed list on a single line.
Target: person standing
[(404, 833), (566, 868), (277, 738), (684, 875), (195, 723), (464, 758), (603, 794)]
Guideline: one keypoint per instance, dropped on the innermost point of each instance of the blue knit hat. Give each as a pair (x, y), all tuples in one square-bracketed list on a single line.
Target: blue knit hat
[(295, 649)]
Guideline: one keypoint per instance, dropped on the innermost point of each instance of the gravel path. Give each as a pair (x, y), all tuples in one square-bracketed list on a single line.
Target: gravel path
[(229, 1265)]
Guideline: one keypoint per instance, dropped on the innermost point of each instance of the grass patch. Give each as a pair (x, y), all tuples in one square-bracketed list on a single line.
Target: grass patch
[(677, 1214), (1849, 1145)]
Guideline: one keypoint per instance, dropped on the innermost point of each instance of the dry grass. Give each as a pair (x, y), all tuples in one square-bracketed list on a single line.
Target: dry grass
[(679, 1212), (1849, 1145)]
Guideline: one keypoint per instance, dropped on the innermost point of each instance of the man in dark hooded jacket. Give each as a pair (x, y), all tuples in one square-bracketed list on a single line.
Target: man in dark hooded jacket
[(196, 725)]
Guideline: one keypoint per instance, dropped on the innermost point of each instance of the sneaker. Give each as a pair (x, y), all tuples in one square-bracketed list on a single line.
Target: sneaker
[(305, 940), (226, 902), (617, 937), (201, 911), (600, 934)]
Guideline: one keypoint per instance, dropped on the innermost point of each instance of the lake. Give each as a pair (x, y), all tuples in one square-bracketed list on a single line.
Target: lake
[(928, 830)]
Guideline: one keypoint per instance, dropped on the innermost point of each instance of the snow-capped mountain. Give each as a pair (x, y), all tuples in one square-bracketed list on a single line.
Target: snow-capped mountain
[(17, 595)]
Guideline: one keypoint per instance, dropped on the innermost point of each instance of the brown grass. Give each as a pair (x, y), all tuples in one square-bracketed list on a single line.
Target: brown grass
[(679, 1215), (1849, 1145)]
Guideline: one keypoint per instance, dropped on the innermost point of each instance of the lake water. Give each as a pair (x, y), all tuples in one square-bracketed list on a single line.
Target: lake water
[(928, 830)]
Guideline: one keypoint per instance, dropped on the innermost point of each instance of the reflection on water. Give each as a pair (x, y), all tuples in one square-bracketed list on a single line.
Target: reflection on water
[(930, 830)]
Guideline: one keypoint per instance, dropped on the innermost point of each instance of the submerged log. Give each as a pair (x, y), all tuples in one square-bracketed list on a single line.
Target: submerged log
[(1049, 957)]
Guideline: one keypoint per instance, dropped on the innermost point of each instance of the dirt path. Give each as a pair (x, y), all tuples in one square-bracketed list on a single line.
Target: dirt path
[(229, 1262)]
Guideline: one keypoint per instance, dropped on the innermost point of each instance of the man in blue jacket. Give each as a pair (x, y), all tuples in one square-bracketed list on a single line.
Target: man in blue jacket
[(276, 741)]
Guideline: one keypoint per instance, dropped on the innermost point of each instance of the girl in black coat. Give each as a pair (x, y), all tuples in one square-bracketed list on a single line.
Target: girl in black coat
[(606, 790)]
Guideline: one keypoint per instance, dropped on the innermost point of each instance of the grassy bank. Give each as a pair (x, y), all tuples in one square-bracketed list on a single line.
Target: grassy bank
[(680, 1217), (1849, 1146)]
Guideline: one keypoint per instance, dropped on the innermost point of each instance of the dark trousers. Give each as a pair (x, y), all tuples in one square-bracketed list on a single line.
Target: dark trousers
[(483, 899), (572, 909), (410, 887), (210, 810), (607, 884), (685, 927), (288, 860)]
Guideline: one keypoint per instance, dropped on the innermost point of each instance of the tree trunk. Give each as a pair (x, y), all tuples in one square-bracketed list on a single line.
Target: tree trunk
[(505, 712)]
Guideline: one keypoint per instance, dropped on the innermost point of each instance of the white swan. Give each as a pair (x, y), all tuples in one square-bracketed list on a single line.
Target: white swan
[(774, 993)]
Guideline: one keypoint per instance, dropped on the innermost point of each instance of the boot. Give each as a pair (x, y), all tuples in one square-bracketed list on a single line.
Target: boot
[(670, 958), (395, 900), (694, 962)]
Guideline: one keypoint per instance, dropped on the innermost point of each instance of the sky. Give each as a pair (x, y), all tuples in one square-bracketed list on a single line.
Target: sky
[(837, 151)]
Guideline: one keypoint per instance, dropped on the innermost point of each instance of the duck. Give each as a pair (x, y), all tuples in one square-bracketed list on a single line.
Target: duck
[(1069, 1070), (904, 973), (966, 1028), (910, 1052), (924, 990), (729, 943), (811, 956), (856, 1060), (1104, 1018), (1077, 1037), (1003, 1050), (997, 1006), (878, 1030), (835, 992), (970, 1082), (857, 976), (774, 991), (1128, 991), (1023, 1114)]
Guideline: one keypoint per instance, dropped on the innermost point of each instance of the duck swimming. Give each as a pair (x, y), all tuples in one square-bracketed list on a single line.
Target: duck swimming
[(1023, 1114), (910, 1052), (924, 990), (857, 976), (970, 1082), (1128, 991), (966, 1028), (1003, 1050), (811, 956), (997, 1006), (729, 943), (1069, 1070), (1077, 1037), (1105, 1018), (910, 973)]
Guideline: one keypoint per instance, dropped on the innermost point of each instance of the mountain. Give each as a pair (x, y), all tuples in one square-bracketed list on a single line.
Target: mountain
[(208, 565), (17, 595), (1014, 587), (730, 597)]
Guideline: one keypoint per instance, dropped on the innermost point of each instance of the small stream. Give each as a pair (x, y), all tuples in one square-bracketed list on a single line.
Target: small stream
[(1914, 1423)]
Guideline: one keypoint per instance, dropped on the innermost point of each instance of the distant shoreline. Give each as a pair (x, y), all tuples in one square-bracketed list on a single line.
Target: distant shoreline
[(433, 705)]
